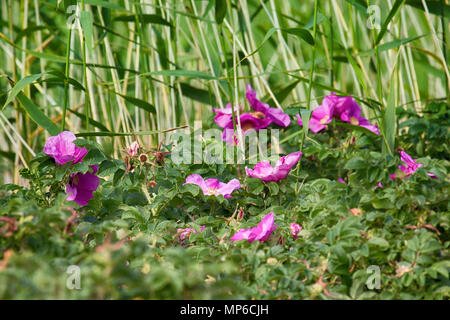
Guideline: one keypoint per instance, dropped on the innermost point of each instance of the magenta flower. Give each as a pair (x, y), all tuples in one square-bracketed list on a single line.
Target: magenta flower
[(266, 172), (81, 186), (411, 165), (261, 232), (363, 122), (392, 176), (248, 122), (341, 180), (62, 149), (224, 116), (344, 108), (320, 117), (349, 111), (213, 187), (275, 114), (295, 229)]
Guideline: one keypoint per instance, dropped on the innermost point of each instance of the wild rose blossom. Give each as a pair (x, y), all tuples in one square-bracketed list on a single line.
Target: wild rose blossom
[(81, 186), (261, 232), (275, 114), (224, 116), (344, 108), (349, 111), (62, 149), (411, 165), (295, 229), (320, 117), (213, 187), (266, 172)]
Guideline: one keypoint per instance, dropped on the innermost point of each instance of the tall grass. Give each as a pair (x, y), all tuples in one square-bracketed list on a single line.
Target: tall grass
[(150, 65)]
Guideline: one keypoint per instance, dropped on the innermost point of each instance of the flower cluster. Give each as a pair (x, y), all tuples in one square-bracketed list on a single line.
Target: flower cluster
[(81, 186), (264, 171), (263, 116), (343, 108)]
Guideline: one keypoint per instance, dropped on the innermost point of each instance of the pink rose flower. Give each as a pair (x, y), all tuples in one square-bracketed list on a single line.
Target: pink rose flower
[(266, 172), (224, 116), (62, 149), (213, 186), (275, 114), (261, 232), (82, 186), (320, 117), (411, 164)]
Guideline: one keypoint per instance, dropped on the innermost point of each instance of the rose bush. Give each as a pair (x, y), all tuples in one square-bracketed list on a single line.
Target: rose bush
[(144, 228)]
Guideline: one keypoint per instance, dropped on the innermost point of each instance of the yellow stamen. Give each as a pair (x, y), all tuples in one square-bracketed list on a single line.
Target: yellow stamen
[(354, 121), (211, 191), (324, 120)]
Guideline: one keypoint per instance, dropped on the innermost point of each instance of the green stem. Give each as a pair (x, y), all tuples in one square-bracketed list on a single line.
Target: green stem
[(311, 74), (86, 90), (66, 80)]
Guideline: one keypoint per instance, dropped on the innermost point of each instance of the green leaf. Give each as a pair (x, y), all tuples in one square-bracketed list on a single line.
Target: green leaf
[(181, 73), (380, 242), (197, 94), (390, 45), (144, 18), (91, 121), (37, 115), (302, 34), (356, 163), (281, 93), (139, 103), (191, 188), (358, 72), (397, 5), (442, 267), (86, 21), (220, 10), (360, 5), (434, 7), (22, 83), (273, 188)]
